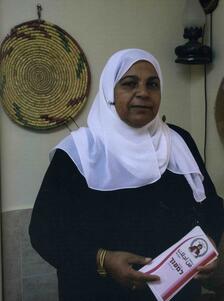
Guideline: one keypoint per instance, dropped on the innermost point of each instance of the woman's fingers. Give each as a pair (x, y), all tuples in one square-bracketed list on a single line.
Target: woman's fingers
[(136, 259), (139, 279), (119, 267)]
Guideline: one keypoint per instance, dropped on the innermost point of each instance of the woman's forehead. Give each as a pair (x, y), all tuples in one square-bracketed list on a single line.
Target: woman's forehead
[(141, 66)]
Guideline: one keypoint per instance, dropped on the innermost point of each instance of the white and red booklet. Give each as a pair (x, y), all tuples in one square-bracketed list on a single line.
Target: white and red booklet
[(178, 264)]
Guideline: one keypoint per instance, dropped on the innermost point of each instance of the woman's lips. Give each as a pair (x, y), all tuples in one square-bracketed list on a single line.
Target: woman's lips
[(141, 107)]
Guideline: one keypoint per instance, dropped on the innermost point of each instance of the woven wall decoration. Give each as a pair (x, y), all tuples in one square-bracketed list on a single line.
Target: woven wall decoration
[(219, 110), (45, 77)]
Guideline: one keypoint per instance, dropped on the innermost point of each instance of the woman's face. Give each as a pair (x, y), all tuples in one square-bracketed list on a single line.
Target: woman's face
[(137, 95)]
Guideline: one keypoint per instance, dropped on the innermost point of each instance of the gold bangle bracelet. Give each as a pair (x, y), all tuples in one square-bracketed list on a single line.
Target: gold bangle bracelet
[(101, 270)]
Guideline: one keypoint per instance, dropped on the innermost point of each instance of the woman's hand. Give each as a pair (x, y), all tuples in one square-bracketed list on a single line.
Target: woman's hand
[(119, 266)]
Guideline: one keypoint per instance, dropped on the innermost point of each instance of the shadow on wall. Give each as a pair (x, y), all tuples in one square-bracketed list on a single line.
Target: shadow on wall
[(26, 276)]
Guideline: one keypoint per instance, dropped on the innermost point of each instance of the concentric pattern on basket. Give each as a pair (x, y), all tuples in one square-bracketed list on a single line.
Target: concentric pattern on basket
[(45, 78)]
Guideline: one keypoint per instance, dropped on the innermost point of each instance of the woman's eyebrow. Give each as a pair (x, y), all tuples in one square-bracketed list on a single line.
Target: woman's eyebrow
[(153, 77), (129, 76)]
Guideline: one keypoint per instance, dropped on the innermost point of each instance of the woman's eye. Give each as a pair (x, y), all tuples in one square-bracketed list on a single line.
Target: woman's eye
[(154, 85), (129, 84)]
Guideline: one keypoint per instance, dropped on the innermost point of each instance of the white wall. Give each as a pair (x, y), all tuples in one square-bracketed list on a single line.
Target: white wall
[(101, 27)]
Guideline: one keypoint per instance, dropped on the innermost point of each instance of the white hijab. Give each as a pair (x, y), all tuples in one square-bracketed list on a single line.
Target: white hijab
[(112, 155)]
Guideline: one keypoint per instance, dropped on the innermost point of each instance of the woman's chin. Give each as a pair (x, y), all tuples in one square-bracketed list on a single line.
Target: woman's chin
[(139, 121)]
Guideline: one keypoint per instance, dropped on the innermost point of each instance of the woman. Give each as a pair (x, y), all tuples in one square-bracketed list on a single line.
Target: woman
[(122, 190)]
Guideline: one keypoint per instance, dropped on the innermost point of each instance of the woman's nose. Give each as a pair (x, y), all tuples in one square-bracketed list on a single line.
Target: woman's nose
[(142, 91)]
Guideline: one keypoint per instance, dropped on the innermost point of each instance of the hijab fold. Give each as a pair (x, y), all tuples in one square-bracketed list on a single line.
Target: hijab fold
[(112, 155)]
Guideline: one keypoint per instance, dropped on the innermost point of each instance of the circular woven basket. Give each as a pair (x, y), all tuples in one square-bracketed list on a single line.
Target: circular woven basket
[(45, 77)]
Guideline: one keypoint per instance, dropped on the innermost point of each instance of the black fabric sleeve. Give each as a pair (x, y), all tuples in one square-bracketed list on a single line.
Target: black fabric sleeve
[(64, 227), (210, 212)]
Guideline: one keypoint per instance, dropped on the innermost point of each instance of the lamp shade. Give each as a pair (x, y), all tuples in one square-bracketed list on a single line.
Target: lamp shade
[(194, 15)]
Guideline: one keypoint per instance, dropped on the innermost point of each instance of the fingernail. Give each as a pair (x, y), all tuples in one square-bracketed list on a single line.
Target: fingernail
[(148, 259)]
